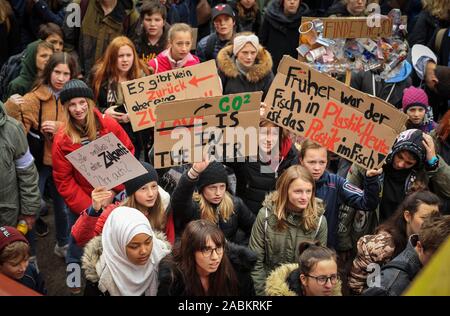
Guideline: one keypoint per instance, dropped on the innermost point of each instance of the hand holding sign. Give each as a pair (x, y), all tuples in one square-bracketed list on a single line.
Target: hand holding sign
[(374, 172), (101, 197)]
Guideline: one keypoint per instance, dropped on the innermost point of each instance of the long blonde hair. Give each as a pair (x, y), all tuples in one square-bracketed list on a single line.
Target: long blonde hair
[(280, 198), (225, 207), (75, 131), (155, 214), (437, 8)]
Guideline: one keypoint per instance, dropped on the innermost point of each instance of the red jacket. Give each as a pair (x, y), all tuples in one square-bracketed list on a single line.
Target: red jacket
[(162, 63), (73, 187), (87, 227)]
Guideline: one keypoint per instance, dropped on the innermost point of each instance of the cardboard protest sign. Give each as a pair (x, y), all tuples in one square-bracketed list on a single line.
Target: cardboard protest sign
[(226, 127), (352, 124), (144, 94), (355, 27), (106, 162)]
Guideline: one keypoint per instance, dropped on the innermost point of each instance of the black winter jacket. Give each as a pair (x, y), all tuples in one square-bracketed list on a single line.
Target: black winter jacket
[(253, 184), (425, 29), (185, 209), (279, 33), (258, 78), (171, 279)]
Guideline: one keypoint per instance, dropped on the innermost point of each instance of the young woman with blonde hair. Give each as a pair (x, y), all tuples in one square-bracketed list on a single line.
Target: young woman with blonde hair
[(289, 216), (202, 193)]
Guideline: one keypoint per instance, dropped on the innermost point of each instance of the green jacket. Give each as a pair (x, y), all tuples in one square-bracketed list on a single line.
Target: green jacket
[(23, 83), (19, 191), (274, 248)]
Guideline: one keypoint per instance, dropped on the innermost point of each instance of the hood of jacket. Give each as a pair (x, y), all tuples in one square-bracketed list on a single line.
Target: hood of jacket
[(275, 15), (94, 249), (410, 140), (285, 281), (294, 219), (242, 258), (28, 71), (227, 64)]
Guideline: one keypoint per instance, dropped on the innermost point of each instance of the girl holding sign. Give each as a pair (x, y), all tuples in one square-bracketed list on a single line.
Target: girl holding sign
[(178, 54), (290, 215), (84, 124), (202, 193), (124, 260), (142, 193), (41, 114), (119, 63)]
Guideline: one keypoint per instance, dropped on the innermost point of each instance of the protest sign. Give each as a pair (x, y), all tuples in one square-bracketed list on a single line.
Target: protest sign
[(225, 127), (352, 124), (106, 162), (355, 27), (144, 94)]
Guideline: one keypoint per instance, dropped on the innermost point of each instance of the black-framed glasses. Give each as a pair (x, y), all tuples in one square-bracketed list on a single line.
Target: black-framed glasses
[(207, 252), (323, 279)]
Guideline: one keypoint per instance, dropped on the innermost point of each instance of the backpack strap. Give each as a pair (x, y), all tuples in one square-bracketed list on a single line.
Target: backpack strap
[(318, 227), (438, 40), (210, 45), (266, 248)]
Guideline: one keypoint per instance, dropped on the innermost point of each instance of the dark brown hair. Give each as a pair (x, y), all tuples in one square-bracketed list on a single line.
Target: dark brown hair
[(396, 224), (223, 282), (434, 231), (55, 60), (443, 129), (45, 30), (150, 8), (311, 253)]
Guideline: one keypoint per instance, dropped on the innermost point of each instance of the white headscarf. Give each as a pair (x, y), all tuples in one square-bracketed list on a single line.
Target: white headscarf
[(117, 274)]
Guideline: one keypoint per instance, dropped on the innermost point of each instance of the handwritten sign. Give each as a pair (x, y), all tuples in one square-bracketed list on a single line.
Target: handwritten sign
[(225, 127), (347, 122), (355, 27), (106, 162), (144, 94)]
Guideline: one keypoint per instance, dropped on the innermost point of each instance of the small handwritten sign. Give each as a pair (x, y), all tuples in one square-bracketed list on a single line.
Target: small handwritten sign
[(143, 95), (106, 162)]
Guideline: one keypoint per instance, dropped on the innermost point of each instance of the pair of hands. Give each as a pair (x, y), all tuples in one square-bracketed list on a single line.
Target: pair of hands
[(118, 116), (101, 197)]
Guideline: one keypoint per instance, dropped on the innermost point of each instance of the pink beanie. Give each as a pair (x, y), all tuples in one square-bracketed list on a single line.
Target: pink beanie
[(413, 96)]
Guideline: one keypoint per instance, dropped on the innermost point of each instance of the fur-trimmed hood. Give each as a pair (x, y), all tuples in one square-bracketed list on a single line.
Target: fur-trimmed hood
[(285, 281), (261, 68), (94, 250)]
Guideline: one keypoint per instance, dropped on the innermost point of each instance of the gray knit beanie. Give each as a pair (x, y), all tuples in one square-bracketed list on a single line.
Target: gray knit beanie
[(75, 89)]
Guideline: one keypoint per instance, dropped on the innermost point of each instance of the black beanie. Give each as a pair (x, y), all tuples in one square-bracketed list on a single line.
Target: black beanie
[(214, 173), (75, 89), (134, 184), (410, 140)]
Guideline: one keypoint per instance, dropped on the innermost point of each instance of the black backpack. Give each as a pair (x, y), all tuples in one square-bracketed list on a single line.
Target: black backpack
[(10, 70)]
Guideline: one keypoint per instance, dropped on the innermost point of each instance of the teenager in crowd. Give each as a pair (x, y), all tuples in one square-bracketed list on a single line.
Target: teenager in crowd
[(420, 114), (248, 15)]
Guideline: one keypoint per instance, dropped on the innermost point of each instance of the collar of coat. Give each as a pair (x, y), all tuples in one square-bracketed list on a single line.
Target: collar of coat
[(261, 68), (279, 282), (94, 250)]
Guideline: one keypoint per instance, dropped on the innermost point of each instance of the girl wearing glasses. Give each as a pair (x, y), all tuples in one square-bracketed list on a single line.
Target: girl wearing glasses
[(202, 264), (315, 274), (289, 216)]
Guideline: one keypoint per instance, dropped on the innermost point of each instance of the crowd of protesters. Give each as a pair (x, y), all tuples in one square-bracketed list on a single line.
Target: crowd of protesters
[(212, 228)]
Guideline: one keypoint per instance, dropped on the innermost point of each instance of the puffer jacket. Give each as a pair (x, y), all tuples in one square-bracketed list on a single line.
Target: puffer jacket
[(395, 280), (185, 209), (255, 180), (279, 33), (285, 281), (19, 192), (273, 247), (171, 279), (92, 254), (162, 63), (90, 223), (377, 249), (70, 183), (98, 30), (258, 78), (28, 113)]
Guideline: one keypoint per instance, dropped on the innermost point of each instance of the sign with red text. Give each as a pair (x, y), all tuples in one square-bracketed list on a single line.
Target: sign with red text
[(143, 95), (225, 127), (352, 124), (106, 162), (355, 27)]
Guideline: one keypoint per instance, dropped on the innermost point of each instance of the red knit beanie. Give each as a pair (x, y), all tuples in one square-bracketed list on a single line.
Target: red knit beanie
[(413, 96), (9, 235)]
